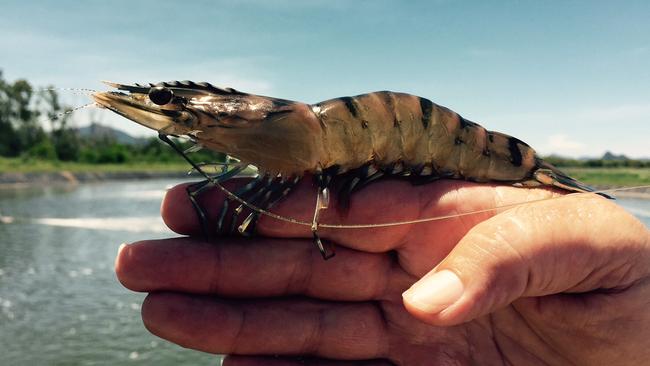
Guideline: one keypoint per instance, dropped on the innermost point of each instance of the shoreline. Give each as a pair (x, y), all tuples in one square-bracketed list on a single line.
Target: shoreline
[(29, 179), (9, 180), (644, 195)]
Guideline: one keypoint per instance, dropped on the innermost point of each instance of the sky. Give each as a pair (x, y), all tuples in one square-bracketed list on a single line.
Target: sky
[(570, 78)]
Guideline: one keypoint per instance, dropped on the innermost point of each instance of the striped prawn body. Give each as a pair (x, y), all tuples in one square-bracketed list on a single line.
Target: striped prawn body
[(356, 140), (403, 133)]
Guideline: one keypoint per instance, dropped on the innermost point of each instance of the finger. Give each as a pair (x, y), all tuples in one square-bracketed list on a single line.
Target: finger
[(286, 327), (296, 361), (260, 268), (385, 201), (179, 214), (574, 244)]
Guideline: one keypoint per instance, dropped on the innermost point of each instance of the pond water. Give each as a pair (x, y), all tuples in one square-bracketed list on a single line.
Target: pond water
[(60, 303)]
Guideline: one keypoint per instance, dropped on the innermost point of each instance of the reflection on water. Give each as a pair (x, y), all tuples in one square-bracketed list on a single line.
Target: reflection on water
[(60, 303), (131, 224), (59, 300)]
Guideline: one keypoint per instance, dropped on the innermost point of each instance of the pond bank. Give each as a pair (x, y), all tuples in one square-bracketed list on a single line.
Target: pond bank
[(18, 179), (641, 193), (30, 179)]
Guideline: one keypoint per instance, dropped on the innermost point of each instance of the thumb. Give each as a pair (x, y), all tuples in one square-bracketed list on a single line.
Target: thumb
[(572, 244)]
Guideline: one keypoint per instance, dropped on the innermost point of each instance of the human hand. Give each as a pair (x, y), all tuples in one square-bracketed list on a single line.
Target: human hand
[(563, 281)]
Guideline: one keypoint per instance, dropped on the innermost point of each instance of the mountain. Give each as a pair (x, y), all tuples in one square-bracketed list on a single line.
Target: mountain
[(610, 156), (97, 131), (612, 159)]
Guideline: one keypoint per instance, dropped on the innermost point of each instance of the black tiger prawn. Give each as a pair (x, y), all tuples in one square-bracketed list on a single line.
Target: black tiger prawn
[(356, 139)]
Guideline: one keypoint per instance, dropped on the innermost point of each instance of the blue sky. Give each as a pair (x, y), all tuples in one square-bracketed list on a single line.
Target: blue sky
[(568, 77)]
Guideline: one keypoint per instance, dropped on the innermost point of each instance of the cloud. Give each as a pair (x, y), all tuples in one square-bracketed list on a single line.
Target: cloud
[(616, 113), (585, 116), (563, 144), (588, 130)]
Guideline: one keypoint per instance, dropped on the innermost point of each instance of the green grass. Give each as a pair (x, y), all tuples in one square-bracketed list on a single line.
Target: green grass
[(610, 176)]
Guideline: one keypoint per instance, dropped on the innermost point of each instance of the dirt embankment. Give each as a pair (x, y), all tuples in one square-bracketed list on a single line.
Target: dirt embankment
[(9, 179)]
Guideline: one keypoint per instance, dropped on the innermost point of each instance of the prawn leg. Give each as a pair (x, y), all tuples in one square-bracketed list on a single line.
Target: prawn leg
[(269, 200), (271, 184), (322, 201), (194, 190), (357, 179), (241, 192)]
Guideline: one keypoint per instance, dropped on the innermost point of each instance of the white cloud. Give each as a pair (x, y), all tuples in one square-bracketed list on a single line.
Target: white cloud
[(583, 131), (563, 145), (616, 113), (586, 116)]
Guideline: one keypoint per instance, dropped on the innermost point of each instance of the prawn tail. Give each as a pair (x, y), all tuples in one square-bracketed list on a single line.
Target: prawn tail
[(548, 175)]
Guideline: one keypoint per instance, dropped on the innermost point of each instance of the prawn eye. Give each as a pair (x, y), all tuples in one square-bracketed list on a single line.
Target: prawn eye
[(161, 95)]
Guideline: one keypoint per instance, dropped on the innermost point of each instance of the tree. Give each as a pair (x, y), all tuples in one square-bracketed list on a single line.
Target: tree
[(64, 138), (23, 115), (9, 141)]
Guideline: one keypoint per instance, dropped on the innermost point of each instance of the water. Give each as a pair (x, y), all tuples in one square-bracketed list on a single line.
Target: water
[(638, 207), (60, 303)]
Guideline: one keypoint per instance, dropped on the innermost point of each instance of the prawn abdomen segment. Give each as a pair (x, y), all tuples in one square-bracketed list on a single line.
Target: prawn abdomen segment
[(381, 127)]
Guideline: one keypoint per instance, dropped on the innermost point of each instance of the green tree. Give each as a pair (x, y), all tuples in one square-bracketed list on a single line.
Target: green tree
[(23, 115), (19, 126), (9, 140), (64, 138)]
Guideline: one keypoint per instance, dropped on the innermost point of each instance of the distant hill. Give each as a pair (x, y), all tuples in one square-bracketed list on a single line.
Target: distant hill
[(96, 131), (610, 156), (608, 160)]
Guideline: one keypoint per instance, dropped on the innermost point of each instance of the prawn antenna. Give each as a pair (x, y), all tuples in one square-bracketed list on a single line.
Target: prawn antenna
[(67, 112), (79, 91), (604, 192)]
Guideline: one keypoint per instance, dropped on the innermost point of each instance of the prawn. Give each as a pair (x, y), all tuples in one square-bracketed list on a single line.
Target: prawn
[(356, 140)]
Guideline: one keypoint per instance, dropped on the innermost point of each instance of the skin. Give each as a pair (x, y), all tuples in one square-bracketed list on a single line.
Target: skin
[(563, 281)]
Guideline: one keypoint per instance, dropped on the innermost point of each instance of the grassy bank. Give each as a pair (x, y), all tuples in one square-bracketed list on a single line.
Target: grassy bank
[(613, 177)]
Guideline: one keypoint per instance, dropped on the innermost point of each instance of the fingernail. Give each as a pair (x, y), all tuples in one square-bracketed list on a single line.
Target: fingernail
[(434, 293)]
